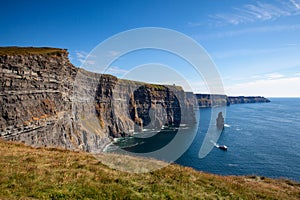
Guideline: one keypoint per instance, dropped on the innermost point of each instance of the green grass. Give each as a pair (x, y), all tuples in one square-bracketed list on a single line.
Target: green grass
[(12, 50), (29, 173), (156, 87)]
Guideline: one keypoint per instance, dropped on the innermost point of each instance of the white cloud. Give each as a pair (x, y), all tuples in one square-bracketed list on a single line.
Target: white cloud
[(115, 70), (84, 57), (257, 12), (290, 44), (255, 76), (247, 52), (113, 53), (194, 24), (81, 56), (296, 4), (279, 87), (261, 29), (274, 75)]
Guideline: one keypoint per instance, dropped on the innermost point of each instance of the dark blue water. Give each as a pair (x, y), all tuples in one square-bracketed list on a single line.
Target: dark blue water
[(263, 139)]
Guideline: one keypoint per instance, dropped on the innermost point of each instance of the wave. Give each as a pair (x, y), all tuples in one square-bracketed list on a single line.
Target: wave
[(232, 165), (226, 125)]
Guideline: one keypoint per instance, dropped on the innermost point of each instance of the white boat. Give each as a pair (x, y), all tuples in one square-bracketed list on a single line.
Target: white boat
[(223, 147)]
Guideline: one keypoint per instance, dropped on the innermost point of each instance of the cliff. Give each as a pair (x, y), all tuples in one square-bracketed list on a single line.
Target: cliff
[(243, 99), (46, 101), (208, 100)]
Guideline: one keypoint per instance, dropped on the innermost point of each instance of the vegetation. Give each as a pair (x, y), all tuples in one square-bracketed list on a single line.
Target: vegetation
[(31, 51), (27, 173), (156, 87)]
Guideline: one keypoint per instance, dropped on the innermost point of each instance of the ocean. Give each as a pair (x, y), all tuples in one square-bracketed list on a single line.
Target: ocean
[(262, 138)]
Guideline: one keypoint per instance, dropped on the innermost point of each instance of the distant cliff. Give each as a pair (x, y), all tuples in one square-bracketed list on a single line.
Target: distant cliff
[(243, 99), (46, 101), (208, 100)]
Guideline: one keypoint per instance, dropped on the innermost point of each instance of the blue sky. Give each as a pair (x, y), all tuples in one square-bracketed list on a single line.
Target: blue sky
[(254, 44)]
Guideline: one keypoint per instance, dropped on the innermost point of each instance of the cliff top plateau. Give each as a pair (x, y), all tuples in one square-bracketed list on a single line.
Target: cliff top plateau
[(14, 50)]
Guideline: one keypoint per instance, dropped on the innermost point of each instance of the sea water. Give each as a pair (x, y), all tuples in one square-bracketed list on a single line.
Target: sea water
[(262, 138)]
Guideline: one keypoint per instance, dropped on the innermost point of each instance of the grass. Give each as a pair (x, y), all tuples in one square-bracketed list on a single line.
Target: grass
[(12, 50), (29, 173)]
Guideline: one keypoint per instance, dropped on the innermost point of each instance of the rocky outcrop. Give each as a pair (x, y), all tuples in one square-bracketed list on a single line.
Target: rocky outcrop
[(220, 121), (209, 100), (46, 101)]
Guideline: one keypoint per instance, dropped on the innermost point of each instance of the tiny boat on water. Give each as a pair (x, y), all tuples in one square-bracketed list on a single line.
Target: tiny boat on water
[(223, 147)]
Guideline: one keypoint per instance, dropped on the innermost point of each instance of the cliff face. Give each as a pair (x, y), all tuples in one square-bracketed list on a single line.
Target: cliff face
[(35, 99), (122, 107), (46, 101)]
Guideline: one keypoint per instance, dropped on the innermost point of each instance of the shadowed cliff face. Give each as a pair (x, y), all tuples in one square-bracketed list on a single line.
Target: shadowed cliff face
[(46, 101), (123, 107), (156, 106)]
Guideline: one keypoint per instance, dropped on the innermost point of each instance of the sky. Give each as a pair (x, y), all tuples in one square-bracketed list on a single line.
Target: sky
[(255, 45)]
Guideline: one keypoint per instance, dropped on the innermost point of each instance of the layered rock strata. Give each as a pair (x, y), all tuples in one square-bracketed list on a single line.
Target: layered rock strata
[(46, 101)]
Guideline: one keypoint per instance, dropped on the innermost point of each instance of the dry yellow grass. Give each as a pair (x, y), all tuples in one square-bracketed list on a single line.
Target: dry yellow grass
[(29, 173), (12, 50)]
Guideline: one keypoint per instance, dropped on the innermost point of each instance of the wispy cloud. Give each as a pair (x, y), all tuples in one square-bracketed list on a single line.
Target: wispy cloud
[(279, 87), (258, 11), (81, 56), (290, 44), (268, 76), (194, 24), (250, 52), (254, 30), (275, 75), (296, 4), (113, 53), (84, 57), (255, 76), (115, 70)]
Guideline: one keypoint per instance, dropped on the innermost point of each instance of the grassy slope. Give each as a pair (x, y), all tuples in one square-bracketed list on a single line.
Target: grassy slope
[(30, 51), (26, 173)]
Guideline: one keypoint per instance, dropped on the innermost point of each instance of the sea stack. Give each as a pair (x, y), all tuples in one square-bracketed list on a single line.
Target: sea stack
[(220, 121)]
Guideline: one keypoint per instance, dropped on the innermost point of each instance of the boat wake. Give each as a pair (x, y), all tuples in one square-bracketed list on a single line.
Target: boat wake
[(215, 144), (226, 125), (222, 147)]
